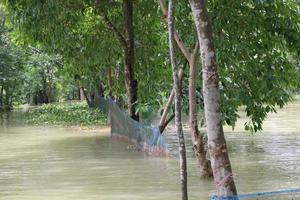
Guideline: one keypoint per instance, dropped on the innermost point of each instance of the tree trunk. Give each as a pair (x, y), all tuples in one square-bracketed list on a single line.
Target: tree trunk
[(88, 101), (166, 122), (45, 97), (109, 80), (163, 120), (197, 138), (130, 82), (177, 89), (81, 94), (1, 97), (127, 42), (221, 166), (6, 99)]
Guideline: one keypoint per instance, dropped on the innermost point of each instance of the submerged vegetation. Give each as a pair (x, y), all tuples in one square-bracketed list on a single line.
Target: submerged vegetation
[(65, 114)]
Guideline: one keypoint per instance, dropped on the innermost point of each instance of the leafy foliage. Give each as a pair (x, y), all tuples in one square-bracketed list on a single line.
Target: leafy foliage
[(256, 51), (11, 66), (66, 114), (42, 76), (257, 46)]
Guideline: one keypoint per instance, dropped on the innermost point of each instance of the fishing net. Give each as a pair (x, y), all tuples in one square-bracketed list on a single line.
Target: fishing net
[(103, 105), (145, 137), (291, 194)]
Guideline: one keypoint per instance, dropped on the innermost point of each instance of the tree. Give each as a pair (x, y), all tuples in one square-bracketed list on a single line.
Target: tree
[(41, 77), (127, 43), (256, 45), (11, 68), (197, 137), (177, 90), (218, 151)]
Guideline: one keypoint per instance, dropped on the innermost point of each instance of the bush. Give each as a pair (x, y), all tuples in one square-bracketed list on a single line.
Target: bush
[(65, 114)]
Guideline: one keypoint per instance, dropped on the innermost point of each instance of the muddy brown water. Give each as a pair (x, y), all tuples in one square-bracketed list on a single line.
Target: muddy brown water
[(42, 163)]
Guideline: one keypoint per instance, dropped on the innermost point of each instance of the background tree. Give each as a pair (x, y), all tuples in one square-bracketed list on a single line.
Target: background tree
[(11, 67), (41, 78)]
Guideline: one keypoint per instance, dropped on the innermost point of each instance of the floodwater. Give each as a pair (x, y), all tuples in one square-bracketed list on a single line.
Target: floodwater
[(39, 163)]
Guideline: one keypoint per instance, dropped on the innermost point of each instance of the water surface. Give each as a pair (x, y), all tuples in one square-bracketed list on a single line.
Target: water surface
[(63, 164)]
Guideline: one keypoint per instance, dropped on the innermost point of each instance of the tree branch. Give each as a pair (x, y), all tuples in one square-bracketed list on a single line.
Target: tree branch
[(186, 52), (114, 29), (194, 54), (110, 25)]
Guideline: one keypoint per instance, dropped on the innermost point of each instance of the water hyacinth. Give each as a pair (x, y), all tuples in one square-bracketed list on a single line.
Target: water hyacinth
[(65, 114)]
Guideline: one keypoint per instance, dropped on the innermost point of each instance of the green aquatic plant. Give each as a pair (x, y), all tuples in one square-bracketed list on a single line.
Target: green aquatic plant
[(65, 114)]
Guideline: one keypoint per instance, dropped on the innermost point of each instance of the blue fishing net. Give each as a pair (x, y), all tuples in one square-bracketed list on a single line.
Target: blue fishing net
[(288, 194), (145, 137)]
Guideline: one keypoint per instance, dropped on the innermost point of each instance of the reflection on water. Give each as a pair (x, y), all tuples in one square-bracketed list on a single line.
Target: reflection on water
[(4, 119), (56, 163)]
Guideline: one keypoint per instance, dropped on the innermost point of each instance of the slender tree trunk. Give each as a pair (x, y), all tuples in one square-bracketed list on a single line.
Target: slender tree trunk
[(1, 97), (166, 122), (130, 82), (127, 42), (6, 99), (86, 97), (221, 166), (109, 80), (177, 89), (163, 120), (99, 90), (197, 138), (82, 96)]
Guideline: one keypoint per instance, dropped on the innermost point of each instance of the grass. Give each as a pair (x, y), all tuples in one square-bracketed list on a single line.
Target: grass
[(65, 114)]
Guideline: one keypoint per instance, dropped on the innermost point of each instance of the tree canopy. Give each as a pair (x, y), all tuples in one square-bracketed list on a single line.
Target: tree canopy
[(257, 45)]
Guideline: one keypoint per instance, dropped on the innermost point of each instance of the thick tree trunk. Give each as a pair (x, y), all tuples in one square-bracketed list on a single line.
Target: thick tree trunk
[(130, 82), (221, 166), (177, 89), (197, 138)]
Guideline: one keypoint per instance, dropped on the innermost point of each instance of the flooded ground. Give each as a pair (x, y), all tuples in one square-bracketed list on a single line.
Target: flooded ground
[(63, 164)]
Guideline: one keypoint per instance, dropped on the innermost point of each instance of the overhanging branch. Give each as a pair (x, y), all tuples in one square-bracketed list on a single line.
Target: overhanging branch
[(110, 25), (186, 52)]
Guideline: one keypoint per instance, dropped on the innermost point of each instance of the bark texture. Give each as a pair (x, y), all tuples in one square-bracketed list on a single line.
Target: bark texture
[(130, 82), (197, 137), (177, 89), (221, 166)]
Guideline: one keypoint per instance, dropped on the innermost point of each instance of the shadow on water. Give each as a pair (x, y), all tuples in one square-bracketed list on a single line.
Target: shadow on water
[(11, 118)]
